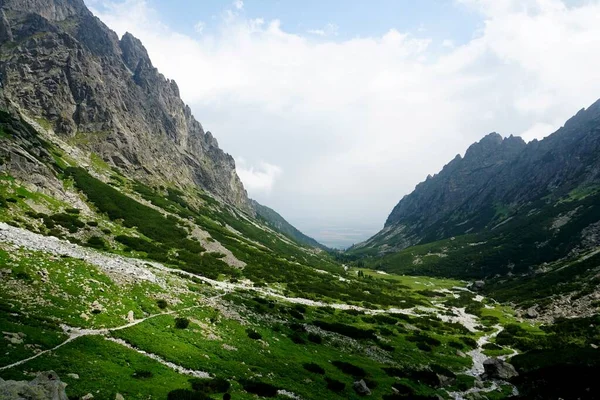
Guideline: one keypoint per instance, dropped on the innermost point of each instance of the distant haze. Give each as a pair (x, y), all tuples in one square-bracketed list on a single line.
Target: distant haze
[(332, 118)]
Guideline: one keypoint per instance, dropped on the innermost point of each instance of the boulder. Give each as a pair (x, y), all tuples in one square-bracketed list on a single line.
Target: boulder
[(46, 386), (361, 388), (496, 368), (532, 312), (119, 396), (478, 285), (130, 317), (88, 396)]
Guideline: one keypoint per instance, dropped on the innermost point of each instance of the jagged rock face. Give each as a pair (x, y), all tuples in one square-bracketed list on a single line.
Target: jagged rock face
[(495, 174), (62, 64), (52, 10), (46, 386)]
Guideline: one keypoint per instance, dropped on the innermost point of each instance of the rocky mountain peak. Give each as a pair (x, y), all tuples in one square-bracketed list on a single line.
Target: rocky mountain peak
[(134, 52), (104, 94), (52, 10)]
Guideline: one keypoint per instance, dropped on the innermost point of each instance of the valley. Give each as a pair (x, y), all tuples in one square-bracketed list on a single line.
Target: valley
[(133, 264), (292, 331)]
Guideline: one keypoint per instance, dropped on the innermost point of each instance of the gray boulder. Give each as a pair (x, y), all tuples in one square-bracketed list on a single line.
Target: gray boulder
[(496, 368), (532, 312), (361, 388), (46, 386)]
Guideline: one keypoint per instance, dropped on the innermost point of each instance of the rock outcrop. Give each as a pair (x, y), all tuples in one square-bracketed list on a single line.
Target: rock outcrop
[(496, 368), (63, 67), (46, 386)]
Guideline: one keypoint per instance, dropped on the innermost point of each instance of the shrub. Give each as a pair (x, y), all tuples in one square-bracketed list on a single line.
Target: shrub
[(314, 368), (424, 346), (96, 242), (469, 341), (347, 330), (260, 388), (297, 338), (182, 323), (491, 346), (142, 374), (92, 223), (350, 369), (252, 334), (456, 345), (186, 394), (162, 304), (335, 385), (209, 386), (313, 337), (72, 211)]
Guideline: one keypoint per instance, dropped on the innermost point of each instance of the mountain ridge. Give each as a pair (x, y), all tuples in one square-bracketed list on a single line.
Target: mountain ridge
[(63, 67), (494, 179)]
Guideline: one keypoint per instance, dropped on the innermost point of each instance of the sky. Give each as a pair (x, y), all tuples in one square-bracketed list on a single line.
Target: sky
[(336, 109)]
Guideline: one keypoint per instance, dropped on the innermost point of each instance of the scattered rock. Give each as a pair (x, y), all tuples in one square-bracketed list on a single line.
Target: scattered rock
[(496, 368), (88, 396), (73, 376), (46, 386), (130, 317), (84, 316), (532, 312), (361, 388), (96, 307), (119, 396), (478, 285), (44, 275)]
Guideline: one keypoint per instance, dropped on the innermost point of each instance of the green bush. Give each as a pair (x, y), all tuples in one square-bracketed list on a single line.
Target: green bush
[(186, 394), (252, 334), (313, 337), (96, 242), (209, 386), (335, 385), (162, 304), (181, 323), (142, 374), (260, 388), (314, 368), (350, 369)]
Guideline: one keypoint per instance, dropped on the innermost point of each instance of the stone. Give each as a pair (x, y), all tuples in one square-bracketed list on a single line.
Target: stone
[(361, 388), (73, 376), (532, 312), (46, 386), (478, 285), (88, 396), (119, 396), (496, 368), (130, 317)]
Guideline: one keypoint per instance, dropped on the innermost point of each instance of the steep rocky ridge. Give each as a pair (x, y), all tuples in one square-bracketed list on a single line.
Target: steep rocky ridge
[(64, 68), (495, 180)]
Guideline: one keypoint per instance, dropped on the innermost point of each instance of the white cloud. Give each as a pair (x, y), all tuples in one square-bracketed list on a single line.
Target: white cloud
[(238, 4), (357, 123), (329, 30), (260, 179), (199, 27)]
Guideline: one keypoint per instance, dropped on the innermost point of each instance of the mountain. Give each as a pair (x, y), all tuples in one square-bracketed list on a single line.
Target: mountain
[(274, 220), (63, 68), (495, 181), (133, 265), (524, 219)]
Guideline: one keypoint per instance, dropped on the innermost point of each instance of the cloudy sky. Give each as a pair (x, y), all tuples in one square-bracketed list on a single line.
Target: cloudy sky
[(335, 109)]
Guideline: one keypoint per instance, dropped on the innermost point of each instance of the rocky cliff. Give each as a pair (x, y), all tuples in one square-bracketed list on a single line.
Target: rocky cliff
[(495, 179), (64, 68)]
